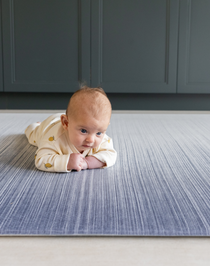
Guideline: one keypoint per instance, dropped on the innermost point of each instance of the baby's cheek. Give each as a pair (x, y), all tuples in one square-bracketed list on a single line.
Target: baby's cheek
[(76, 141), (98, 142)]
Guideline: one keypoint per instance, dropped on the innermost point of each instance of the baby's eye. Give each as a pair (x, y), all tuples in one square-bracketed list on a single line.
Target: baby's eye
[(98, 134), (83, 130)]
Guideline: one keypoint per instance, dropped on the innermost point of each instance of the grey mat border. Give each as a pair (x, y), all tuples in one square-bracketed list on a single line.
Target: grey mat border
[(89, 235)]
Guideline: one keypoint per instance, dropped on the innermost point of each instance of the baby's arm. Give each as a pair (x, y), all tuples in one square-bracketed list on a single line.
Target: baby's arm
[(105, 154), (76, 162), (93, 162), (49, 158)]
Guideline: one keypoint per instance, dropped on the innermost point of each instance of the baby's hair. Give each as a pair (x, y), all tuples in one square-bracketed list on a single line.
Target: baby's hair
[(88, 90), (98, 101)]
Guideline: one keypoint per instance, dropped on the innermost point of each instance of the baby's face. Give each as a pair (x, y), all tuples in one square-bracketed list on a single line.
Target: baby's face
[(86, 132)]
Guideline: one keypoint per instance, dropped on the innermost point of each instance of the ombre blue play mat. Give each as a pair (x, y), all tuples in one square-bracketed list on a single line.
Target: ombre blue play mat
[(159, 186)]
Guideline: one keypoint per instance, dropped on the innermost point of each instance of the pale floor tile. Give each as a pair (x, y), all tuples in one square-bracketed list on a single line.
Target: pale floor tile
[(113, 111), (101, 251)]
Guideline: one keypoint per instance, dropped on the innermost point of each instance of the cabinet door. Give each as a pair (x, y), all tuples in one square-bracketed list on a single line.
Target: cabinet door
[(1, 73), (194, 47), (134, 45), (42, 44)]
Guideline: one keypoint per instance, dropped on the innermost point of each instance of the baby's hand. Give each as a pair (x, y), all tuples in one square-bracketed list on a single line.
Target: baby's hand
[(76, 162), (84, 164)]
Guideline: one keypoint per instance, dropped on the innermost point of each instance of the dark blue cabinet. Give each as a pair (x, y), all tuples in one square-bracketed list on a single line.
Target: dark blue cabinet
[(125, 46), (1, 61), (134, 45), (194, 47), (45, 45)]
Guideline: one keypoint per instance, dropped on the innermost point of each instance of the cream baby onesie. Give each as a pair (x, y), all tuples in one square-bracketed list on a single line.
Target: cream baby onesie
[(54, 146)]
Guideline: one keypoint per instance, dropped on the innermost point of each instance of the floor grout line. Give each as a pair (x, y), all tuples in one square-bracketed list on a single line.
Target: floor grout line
[(113, 111)]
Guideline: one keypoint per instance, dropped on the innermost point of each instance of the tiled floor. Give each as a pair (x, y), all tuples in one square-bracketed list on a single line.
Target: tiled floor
[(101, 251)]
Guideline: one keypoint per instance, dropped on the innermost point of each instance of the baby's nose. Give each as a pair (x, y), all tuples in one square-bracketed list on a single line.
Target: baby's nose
[(90, 138)]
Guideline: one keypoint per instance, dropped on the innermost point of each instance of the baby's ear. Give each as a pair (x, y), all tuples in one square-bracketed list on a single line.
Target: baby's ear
[(64, 121)]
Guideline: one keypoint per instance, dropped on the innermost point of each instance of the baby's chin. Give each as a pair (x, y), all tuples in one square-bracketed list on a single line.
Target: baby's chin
[(83, 148)]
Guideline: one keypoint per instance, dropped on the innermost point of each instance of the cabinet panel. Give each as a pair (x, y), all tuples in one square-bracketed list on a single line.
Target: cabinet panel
[(134, 45), (1, 69), (42, 44), (194, 45)]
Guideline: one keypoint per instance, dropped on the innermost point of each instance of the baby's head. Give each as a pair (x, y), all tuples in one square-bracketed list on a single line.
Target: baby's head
[(87, 117), (94, 102)]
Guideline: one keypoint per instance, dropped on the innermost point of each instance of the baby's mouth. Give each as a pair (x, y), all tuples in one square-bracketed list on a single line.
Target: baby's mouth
[(87, 146)]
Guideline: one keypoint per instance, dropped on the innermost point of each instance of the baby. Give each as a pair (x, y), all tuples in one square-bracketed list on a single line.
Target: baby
[(75, 140)]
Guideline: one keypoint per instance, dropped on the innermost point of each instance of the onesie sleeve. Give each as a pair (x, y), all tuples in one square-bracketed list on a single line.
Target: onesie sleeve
[(106, 153), (49, 158)]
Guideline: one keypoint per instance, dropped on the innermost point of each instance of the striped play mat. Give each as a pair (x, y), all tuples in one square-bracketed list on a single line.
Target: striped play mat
[(159, 186)]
